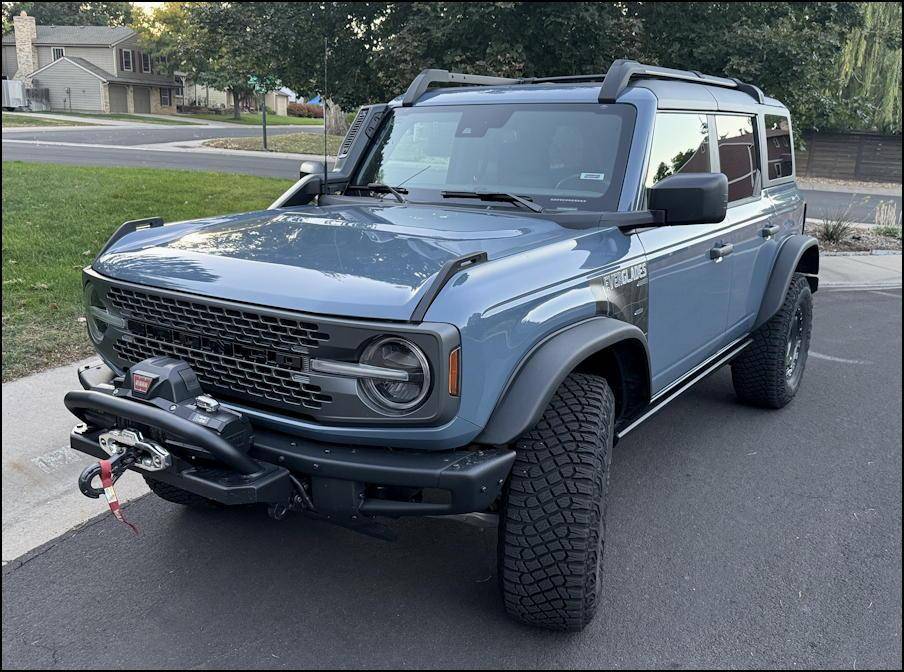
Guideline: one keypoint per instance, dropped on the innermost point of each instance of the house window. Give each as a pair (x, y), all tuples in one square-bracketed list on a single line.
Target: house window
[(125, 59), (165, 98), (145, 62), (57, 53), (179, 91)]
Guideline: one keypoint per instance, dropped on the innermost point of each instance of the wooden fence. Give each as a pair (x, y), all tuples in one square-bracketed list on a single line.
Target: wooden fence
[(867, 157)]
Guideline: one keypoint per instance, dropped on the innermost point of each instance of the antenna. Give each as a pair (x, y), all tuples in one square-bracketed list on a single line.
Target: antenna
[(323, 100)]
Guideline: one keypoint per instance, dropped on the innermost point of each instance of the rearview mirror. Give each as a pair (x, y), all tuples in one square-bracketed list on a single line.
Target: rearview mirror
[(310, 168), (691, 198)]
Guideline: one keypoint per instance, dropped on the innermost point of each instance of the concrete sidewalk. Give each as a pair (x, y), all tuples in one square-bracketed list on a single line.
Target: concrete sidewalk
[(861, 271)]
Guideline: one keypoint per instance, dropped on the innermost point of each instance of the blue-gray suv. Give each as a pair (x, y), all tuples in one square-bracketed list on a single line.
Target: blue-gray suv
[(497, 281)]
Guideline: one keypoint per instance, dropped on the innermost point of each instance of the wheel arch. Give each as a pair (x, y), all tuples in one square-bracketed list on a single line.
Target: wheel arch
[(798, 254), (601, 346)]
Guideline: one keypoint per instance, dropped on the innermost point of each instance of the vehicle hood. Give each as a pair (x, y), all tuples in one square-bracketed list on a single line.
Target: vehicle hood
[(372, 261)]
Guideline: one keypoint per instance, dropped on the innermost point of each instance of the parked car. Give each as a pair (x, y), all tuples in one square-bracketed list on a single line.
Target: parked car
[(498, 281)]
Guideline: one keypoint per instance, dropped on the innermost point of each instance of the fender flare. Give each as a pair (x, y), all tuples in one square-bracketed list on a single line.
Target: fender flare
[(789, 258), (539, 374)]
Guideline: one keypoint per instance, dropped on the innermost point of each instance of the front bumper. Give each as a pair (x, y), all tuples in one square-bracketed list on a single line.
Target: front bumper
[(343, 481)]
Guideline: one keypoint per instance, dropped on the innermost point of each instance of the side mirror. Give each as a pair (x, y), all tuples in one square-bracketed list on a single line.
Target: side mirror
[(691, 198), (310, 168)]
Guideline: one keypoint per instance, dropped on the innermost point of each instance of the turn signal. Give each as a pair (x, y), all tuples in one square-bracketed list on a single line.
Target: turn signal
[(454, 372)]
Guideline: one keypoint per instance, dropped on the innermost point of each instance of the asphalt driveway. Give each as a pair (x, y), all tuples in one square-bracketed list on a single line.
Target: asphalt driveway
[(737, 538)]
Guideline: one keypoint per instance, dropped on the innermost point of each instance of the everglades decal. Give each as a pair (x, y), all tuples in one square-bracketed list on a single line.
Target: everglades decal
[(623, 294), (625, 276)]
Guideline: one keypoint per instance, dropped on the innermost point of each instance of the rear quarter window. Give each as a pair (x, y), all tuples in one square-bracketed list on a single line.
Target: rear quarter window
[(779, 149)]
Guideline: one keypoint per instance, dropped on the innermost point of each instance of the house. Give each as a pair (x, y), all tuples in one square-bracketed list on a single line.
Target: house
[(194, 94), (87, 68)]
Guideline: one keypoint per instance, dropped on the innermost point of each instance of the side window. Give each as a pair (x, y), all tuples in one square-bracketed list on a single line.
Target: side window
[(738, 156), (680, 145), (778, 146)]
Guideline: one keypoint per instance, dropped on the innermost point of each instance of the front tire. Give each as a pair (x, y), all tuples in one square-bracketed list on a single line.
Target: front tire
[(552, 522), (769, 371)]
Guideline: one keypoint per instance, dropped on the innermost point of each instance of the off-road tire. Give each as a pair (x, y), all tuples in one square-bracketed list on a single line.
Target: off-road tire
[(760, 373), (553, 515), (178, 496)]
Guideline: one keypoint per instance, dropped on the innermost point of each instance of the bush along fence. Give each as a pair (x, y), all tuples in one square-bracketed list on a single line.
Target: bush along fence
[(867, 157)]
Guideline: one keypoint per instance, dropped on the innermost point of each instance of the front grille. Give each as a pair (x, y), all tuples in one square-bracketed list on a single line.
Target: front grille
[(236, 353), (224, 323)]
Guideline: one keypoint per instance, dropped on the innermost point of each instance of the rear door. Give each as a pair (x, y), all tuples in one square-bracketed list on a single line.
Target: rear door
[(748, 218), (689, 288)]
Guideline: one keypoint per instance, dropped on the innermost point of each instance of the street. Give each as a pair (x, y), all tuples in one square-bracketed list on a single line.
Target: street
[(736, 537), (147, 147)]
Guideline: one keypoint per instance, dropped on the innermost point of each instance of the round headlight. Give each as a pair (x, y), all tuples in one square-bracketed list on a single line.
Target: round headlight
[(397, 355)]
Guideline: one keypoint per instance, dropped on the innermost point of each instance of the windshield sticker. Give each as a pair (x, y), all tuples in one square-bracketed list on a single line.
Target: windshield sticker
[(593, 176)]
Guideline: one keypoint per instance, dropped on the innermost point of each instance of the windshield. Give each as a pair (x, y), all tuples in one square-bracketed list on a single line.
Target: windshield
[(561, 156)]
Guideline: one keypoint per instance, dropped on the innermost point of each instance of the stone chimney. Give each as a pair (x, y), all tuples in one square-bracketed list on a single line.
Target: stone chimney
[(26, 55)]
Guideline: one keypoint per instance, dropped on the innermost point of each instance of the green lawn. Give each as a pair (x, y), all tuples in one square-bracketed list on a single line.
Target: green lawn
[(252, 119), (294, 143), (55, 218), (19, 120), (164, 120)]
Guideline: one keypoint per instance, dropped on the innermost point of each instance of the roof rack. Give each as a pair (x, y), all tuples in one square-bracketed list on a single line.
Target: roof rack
[(622, 71), (614, 82), (428, 77)]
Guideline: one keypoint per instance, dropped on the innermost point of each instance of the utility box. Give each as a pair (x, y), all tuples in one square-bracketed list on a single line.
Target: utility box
[(13, 94)]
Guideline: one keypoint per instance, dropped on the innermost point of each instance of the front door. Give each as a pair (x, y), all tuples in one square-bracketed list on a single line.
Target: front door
[(689, 272), (142, 99)]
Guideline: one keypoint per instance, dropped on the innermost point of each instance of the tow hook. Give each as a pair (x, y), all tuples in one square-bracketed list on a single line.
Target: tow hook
[(126, 448), (118, 464)]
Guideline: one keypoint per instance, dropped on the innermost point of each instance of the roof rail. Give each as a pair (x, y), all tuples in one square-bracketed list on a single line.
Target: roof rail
[(428, 77), (614, 82), (622, 71)]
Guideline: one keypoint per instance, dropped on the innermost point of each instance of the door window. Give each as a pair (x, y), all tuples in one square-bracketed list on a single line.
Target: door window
[(680, 145), (738, 158)]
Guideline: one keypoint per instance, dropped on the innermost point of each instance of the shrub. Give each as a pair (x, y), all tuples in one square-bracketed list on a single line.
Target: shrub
[(888, 220), (305, 110), (836, 226)]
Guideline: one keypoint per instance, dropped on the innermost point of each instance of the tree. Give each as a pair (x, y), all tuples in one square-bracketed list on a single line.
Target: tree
[(789, 49), (70, 13), (868, 83), (220, 44)]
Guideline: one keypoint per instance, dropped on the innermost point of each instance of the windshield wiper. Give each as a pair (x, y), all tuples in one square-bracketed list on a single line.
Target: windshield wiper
[(498, 196), (380, 188)]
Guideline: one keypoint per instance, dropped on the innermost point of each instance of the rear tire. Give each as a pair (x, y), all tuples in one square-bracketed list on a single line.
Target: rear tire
[(768, 372), (178, 496), (552, 521)]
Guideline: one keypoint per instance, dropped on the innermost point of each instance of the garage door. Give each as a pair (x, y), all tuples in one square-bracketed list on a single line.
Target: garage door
[(142, 99), (119, 99)]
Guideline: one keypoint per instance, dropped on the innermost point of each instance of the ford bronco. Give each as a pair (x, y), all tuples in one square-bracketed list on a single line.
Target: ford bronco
[(497, 281)]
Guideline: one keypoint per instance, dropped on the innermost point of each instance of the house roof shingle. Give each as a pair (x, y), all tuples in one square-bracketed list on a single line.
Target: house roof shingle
[(103, 35), (146, 80)]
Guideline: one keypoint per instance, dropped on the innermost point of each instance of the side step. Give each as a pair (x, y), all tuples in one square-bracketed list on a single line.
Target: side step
[(687, 381)]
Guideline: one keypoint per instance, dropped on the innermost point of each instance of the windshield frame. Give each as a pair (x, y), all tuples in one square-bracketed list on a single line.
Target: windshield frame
[(607, 202)]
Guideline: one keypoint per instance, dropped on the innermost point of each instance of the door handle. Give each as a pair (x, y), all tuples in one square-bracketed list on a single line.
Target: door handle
[(770, 230), (720, 252)]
